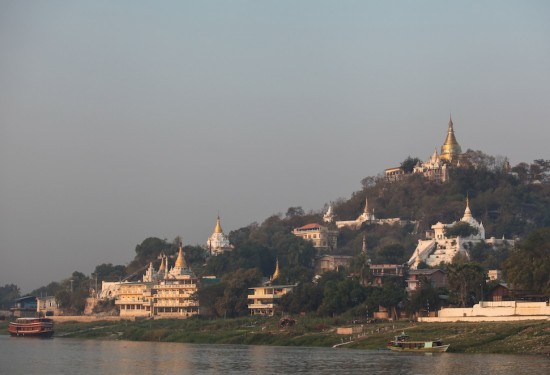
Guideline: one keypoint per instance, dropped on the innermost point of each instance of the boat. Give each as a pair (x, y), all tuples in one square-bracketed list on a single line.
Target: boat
[(403, 343), (31, 327)]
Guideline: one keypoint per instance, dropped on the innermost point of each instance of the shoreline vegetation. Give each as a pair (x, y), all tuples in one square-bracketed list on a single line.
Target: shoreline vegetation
[(522, 337)]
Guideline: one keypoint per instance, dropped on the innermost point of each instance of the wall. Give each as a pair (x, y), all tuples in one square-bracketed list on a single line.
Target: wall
[(495, 311)]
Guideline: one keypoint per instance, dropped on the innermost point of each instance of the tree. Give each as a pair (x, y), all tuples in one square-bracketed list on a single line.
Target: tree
[(392, 296), (49, 290), (63, 299), (305, 297), (466, 280), (529, 265), (296, 257), (151, 248), (234, 301), (425, 297), (208, 296), (340, 293), (8, 294), (479, 160), (108, 272), (393, 254), (462, 229), (294, 211), (409, 163)]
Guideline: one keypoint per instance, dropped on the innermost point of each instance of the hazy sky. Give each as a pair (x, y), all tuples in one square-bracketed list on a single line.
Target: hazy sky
[(121, 120)]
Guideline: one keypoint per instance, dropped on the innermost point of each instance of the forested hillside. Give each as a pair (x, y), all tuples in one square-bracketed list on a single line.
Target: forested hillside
[(510, 201)]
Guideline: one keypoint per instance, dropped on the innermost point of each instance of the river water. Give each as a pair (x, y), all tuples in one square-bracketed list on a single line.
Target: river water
[(83, 357)]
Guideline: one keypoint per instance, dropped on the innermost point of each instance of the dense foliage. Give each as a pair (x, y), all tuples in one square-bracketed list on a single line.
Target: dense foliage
[(528, 266), (8, 293)]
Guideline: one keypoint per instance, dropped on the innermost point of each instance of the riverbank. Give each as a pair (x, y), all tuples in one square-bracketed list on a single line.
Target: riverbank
[(524, 337)]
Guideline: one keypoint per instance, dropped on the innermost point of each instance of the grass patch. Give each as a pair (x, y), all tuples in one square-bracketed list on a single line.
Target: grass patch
[(526, 337)]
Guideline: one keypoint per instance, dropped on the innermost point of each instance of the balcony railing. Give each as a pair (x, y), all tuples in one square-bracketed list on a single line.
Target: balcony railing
[(261, 306)]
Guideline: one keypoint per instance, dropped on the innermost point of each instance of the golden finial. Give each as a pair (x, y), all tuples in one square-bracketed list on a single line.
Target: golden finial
[(218, 228)]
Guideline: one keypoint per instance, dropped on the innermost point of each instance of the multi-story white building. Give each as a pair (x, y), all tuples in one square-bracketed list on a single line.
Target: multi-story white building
[(162, 294), (264, 300), (320, 236)]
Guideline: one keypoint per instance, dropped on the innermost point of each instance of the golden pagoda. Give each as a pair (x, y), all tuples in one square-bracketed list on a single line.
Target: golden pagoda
[(218, 228), (180, 261), (450, 151)]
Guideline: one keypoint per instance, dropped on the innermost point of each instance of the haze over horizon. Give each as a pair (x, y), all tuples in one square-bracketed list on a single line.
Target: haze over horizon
[(122, 120)]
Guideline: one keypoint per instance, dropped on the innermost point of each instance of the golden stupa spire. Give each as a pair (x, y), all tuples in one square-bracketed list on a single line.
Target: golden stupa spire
[(276, 273), (450, 149), (180, 262), (218, 228), (162, 267)]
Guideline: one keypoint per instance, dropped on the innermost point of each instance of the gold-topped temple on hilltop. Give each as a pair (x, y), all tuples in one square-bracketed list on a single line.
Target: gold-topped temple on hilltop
[(436, 167), (450, 151), (218, 242)]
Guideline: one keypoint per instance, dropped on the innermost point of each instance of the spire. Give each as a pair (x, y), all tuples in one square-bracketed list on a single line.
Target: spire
[(328, 217), (366, 206), (435, 156), (180, 262), (276, 273), (467, 212), (450, 149), (162, 267), (218, 228)]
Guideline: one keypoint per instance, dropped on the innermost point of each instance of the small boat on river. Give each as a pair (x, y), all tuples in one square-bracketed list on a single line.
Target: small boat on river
[(403, 343), (31, 327)]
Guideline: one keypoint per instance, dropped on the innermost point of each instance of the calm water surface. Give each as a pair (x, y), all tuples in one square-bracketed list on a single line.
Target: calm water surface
[(83, 357)]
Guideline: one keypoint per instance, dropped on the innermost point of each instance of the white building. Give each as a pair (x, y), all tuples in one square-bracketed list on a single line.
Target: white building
[(218, 242), (439, 248), (320, 236), (367, 217)]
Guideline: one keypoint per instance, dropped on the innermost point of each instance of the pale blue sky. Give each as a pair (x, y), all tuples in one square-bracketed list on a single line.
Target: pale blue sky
[(121, 120)]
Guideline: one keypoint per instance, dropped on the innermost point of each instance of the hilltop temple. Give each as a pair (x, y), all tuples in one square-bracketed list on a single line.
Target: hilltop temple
[(218, 242), (436, 167), (438, 248)]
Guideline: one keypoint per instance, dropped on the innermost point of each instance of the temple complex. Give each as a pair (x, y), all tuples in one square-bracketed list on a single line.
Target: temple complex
[(218, 242), (437, 166), (166, 293), (438, 248)]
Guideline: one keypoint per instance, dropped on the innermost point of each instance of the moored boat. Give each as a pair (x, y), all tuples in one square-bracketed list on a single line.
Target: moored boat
[(31, 327), (403, 343)]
